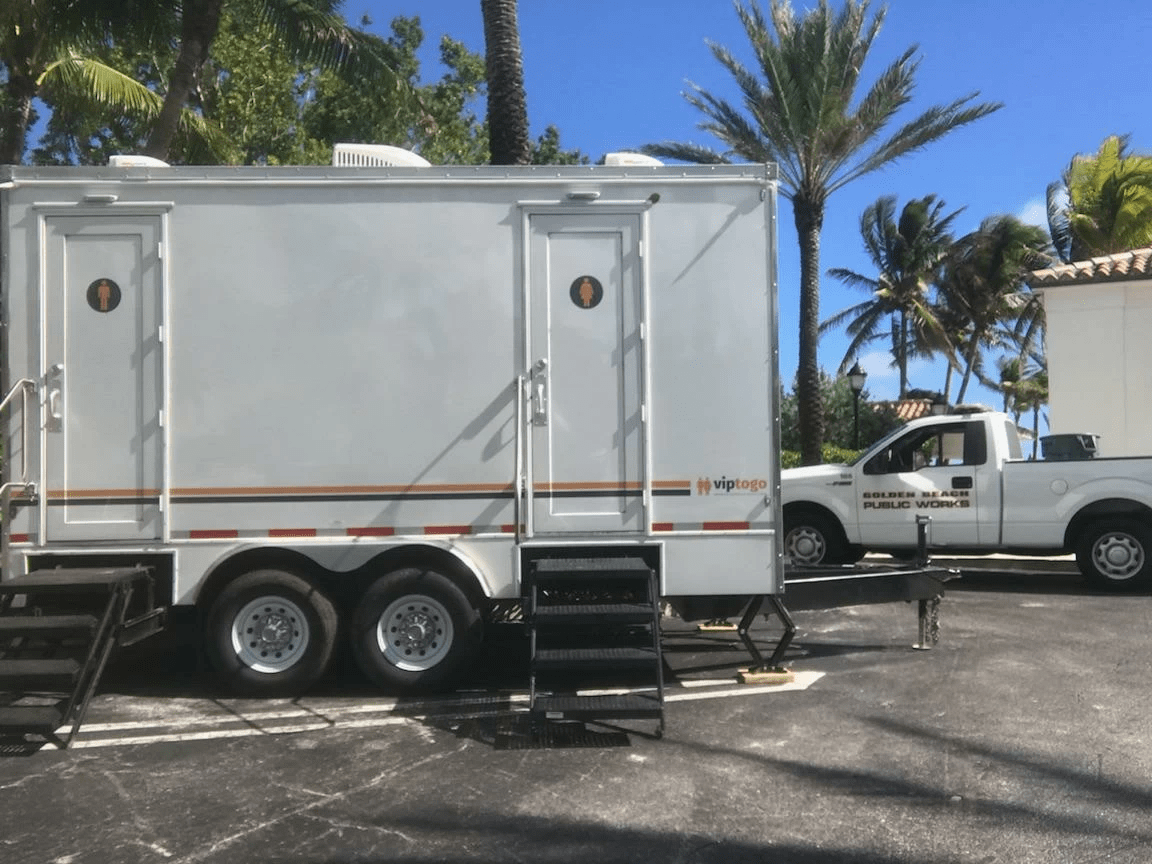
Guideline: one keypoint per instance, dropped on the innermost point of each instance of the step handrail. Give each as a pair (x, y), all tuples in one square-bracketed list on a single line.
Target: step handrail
[(22, 388)]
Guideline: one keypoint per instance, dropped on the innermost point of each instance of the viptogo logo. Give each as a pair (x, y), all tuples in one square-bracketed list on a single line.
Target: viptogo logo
[(730, 486)]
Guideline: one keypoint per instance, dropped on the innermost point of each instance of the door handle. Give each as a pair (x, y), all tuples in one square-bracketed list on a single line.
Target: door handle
[(540, 393), (964, 482), (55, 393)]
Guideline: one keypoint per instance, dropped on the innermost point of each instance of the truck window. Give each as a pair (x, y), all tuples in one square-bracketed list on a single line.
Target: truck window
[(948, 445), (1015, 451)]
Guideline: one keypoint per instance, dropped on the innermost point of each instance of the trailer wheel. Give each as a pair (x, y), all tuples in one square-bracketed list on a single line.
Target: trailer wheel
[(1114, 555), (271, 633), (415, 631), (810, 538)]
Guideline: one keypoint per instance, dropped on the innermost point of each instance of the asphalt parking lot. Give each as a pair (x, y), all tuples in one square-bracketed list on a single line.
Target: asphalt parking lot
[(1024, 736)]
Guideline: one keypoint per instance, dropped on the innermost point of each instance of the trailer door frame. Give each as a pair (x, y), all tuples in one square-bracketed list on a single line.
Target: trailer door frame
[(103, 281), (585, 297)]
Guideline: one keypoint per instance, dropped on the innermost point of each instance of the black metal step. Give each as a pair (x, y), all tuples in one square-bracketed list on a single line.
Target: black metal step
[(72, 580), (619, 706), (39, 719), (598, 568), (612, 613), (596, 659), (36, 675), (47, 626)]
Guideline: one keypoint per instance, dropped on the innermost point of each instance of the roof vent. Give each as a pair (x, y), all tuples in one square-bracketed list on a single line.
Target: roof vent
[(628, 159), (132, 160), (375, 155)]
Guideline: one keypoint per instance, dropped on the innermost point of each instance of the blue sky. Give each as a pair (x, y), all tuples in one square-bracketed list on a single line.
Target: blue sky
[(610, 75)]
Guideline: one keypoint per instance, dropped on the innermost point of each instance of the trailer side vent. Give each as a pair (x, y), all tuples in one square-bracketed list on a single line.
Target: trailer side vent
[(376, 155)]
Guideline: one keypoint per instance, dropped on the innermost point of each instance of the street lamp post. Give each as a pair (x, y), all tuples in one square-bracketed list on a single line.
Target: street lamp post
[(856, 378)]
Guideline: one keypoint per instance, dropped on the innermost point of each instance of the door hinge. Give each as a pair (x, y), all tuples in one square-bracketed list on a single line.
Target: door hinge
[(160, 251)]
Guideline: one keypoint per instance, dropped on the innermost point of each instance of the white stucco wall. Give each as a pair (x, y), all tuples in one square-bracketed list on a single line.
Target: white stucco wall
[(1099, 346)]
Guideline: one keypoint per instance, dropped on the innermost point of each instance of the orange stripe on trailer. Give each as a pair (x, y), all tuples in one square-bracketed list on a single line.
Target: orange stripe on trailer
[(291, 532), (447, 529), (20, 538), (663, 526), (725, 526), (371, 531), (214, 534)]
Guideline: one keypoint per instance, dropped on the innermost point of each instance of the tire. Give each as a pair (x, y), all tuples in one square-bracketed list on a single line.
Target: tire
[(1115, 554), (810, 538), (271, 633), (415, 631)]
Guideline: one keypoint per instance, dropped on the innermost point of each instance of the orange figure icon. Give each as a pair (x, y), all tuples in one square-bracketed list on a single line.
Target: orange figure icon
[(587, 292), (103, 295)]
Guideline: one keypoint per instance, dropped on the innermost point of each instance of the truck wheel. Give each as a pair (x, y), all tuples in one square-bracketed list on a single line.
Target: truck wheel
[(271, 633), (415, 631), (1114, 555), (810, 538)]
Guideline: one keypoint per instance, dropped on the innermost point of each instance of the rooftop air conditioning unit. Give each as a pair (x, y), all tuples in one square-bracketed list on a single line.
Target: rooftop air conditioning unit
[(131, 160), (628, 159), (375, 155)]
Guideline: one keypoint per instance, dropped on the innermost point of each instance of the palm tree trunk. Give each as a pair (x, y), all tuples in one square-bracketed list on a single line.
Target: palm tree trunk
[(14, 126), (809, 220), (198, 27), (969, 365), (508, 140), (903, 354)]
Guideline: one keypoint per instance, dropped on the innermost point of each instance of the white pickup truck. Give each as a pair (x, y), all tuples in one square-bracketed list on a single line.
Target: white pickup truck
[(967, 472)]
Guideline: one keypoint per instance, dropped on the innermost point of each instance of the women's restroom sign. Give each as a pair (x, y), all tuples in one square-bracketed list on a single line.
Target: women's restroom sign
[(586, 292)]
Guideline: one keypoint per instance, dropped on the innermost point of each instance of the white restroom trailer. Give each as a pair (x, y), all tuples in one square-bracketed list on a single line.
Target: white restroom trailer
[(336, 402)]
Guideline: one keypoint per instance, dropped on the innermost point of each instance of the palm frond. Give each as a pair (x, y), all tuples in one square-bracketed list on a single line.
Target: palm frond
[(84, 81)]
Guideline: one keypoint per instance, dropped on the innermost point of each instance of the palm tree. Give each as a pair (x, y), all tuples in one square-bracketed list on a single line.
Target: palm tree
[(984, 284), (508, 139), (1103, 203), (312, 30), (908, 254), (48, 49), (802, 114)]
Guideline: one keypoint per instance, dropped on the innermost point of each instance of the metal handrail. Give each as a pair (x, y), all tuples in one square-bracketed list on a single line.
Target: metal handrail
[(22, 387)]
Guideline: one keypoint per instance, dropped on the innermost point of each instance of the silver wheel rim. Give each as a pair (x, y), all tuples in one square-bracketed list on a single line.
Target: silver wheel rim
[(805, 545), (1117, 555), (270, 634), (414, 633)]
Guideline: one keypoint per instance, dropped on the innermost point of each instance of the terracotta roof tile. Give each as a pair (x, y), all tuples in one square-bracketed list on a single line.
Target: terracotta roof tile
[(1136, 264)]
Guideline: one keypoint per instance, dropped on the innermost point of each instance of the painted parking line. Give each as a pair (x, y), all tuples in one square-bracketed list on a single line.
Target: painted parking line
[(232, 721)]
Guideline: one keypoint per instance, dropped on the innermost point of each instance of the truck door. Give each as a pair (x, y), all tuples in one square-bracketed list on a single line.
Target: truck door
[(930, 471), (103, 454), (586, 471)]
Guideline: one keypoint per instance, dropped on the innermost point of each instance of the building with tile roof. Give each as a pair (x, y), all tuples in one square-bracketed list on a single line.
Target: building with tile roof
[(1099, 347)]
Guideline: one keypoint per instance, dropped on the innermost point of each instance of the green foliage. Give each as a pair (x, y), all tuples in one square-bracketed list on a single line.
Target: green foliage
[(984, 286), (829, 455), (804, 114), (908, 254), (440, 123), (272, 111), (1103, 203), (876, 419)]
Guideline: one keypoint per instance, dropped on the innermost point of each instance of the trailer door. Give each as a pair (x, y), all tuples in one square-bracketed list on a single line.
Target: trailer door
[(586, 375), (103, 378)]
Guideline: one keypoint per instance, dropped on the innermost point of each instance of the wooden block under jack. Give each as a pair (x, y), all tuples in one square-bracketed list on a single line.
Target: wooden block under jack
[(766, 676), (716, 627)]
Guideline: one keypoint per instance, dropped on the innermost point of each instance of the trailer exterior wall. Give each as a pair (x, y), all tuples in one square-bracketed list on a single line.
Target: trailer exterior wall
[(339, 361)]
